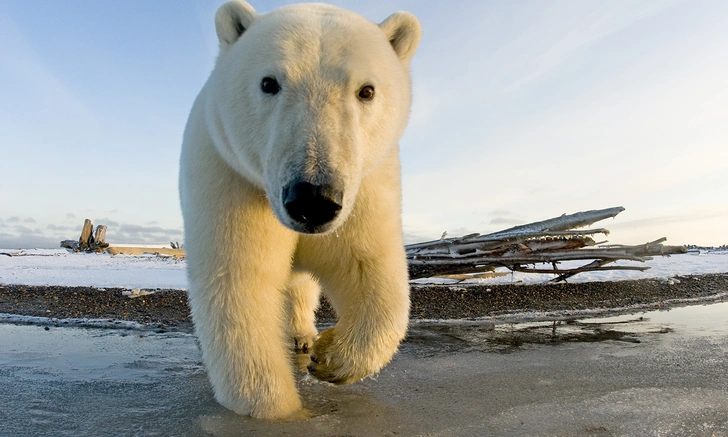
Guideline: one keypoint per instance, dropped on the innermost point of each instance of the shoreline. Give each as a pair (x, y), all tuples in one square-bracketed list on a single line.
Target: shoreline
[(167, 309)]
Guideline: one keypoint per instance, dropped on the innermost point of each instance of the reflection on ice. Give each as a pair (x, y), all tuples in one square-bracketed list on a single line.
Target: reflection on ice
[(508, 334)]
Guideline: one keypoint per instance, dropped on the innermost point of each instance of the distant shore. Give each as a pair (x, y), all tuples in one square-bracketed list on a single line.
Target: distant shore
[(168, 309)]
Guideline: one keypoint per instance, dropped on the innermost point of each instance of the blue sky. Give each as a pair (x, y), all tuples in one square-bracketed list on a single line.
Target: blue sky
[(523, 110)]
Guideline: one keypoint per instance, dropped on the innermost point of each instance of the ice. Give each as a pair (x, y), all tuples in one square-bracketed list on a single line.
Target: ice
[(664, 376), (81, 322)]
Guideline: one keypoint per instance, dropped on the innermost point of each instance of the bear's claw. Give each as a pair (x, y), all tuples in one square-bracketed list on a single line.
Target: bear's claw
[(302, 344), (303, 339), (327, 363), (322, 373)]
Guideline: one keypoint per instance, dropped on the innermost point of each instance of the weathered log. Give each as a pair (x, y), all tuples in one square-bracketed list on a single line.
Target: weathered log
[(559, 226), (86, 235), (562, 223), (100, 235), (468, 276), (70, 244)]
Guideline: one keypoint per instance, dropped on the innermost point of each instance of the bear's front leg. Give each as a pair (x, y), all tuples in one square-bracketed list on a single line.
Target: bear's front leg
[(371, 298), (238, 271), (303, 299)]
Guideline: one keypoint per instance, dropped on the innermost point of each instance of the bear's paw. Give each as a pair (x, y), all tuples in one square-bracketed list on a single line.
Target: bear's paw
[(303, 341), (332, 362)]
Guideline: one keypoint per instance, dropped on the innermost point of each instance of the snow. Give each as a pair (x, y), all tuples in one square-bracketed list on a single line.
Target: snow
[(660, 267), (63, 268), (60, 267)]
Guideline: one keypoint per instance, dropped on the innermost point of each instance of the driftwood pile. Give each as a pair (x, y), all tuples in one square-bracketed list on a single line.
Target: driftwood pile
[(94, 241), (546, 242), (90, 241)]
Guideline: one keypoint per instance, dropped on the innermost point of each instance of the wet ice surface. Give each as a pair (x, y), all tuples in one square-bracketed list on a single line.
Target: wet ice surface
[(659, 373)]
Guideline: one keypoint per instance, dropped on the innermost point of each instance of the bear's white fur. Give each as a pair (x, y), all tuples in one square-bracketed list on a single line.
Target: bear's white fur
[(255, 272)]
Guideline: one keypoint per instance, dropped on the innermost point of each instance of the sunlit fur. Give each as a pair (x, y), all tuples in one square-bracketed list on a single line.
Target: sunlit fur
[(255, 280)]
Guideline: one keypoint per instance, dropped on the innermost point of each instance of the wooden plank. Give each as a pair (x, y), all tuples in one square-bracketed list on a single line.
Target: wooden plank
[(161, 251)]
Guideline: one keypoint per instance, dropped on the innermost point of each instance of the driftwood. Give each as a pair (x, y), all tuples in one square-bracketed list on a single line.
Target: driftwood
[(95, 241), (100, 235), (135, 251), (545, 242), (90, 241), (86, 235)]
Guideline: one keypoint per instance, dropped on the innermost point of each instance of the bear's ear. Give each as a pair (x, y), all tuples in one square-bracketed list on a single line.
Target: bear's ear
[(231, 20), (403, 31)]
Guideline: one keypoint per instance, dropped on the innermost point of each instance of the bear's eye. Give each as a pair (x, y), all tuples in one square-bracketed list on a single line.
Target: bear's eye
[(270, 85), (366, 93)]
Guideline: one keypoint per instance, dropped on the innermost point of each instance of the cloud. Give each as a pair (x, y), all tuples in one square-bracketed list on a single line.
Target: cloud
[(499, 217), (414, 238), (23, 237), (670, 219), (505, 221), (25, 230), (132, 233), (460, 231), (106, 222), (418, 234), (29, 220), (502, 211), (9, 241), (53, 227), (129, 228)]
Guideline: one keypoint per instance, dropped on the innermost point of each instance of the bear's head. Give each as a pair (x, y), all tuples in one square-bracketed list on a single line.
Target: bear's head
[(306, 101)]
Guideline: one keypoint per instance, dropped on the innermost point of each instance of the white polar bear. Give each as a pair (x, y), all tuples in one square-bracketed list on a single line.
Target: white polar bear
[(290, 184)]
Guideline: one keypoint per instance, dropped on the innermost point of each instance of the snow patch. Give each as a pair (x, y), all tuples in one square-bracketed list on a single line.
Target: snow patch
[(63, 268)]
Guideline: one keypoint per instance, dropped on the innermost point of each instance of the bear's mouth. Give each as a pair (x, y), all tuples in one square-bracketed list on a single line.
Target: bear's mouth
[(311, 207)]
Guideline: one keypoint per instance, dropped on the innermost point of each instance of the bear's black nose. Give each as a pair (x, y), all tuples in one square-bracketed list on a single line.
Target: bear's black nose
[(312, 205)]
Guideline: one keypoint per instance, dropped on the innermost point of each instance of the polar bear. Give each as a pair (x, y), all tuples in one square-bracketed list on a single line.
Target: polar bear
[(290, 186)]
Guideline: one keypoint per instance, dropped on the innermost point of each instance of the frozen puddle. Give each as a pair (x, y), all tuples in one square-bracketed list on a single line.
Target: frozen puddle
[(657, 373)]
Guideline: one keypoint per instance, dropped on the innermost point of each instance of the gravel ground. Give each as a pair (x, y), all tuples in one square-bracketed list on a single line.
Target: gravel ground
[(168, 308)]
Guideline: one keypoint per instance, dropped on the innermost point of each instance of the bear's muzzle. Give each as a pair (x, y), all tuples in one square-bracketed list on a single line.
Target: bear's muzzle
[(312, 206)]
